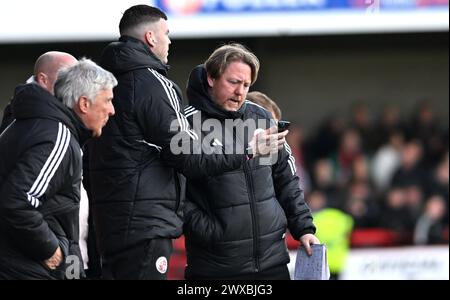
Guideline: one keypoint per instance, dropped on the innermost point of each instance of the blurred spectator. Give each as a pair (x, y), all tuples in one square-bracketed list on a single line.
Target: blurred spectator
[(316, 201), (360, 169), (430, 226), (349, 151), (394, 214), (326, 141), (414, 199), (388, 124), (399, 172), (425, 127), (361, 121), (410, 172), (323, 180), (359, 202), (439, 184), (387, 160)]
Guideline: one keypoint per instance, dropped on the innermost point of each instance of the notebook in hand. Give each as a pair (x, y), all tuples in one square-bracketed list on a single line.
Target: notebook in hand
[(314, 267)]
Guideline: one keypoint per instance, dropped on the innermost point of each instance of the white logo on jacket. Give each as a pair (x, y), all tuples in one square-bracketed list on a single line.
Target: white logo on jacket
[(161, 265)]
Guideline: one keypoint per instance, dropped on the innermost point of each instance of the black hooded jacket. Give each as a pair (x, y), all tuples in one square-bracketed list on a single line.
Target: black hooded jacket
[(133, 178), (235, 223), (40, 177)]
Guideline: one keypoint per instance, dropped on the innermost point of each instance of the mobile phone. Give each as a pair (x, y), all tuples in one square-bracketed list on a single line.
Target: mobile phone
[(283, 125)]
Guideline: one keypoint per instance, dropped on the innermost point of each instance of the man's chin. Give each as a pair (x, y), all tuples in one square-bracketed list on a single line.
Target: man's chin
[(96, 133), (233, 107)]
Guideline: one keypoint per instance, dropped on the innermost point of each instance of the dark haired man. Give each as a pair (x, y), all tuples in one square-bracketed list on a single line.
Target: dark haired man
[(137, 187)]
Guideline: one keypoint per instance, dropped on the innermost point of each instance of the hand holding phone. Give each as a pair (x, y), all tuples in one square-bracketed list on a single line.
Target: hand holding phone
[(283, 125)]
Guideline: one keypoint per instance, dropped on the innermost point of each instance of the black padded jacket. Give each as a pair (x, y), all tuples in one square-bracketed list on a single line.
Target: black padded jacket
[(236, 221), (40, 177), (135, 182)]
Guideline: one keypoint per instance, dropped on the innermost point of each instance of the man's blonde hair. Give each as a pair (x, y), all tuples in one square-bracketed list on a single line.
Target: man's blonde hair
[(223, 56)]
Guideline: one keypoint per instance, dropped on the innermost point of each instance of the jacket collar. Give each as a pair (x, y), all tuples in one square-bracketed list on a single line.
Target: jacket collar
[(32, 101), (128, 54)]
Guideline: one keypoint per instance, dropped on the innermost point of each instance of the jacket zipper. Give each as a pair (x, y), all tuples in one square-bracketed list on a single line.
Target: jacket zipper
[(250, 186)]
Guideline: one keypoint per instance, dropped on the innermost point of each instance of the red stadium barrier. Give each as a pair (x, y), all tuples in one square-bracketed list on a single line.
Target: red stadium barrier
[(374, 237)]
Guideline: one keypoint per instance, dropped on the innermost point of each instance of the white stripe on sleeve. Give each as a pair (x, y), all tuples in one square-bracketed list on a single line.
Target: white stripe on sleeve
[(175, 103), (52, 163), (291, 159)]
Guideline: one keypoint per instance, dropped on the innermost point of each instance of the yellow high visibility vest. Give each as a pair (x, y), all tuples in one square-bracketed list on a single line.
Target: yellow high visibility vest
[(333, 229)]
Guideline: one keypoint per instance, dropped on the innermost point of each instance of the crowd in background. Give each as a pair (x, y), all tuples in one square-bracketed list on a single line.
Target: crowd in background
[(388, 171)]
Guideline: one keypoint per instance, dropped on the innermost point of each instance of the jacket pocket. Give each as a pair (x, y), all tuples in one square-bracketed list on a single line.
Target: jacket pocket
[(200, 226)]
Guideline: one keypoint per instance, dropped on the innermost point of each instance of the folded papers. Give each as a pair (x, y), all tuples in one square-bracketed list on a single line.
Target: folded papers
[(314, 267)]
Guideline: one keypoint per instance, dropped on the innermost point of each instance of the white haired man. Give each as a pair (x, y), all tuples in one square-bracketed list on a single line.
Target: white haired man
[(40, 171)]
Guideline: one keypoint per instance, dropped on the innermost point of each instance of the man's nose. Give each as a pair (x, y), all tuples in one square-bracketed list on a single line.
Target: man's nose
[(112, 111), (239, 90)]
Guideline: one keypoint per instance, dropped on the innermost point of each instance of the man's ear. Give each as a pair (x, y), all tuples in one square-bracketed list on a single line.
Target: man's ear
[(41, 79), (83, 104), (210, 80), (150, 38)]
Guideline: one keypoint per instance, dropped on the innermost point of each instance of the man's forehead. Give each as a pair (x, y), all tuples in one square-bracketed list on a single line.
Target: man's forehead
[(238, 70)]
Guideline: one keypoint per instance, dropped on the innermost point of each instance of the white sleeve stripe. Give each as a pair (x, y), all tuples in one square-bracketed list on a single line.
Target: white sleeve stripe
[(159, 148), (170, 91), (288, 148), (191, 113), (168, 88), (6, 129), (56, 166), (291, 159), (48, 162), (189, 109), (186, 111), (174, 106), (38, 191), (34, 202), (51, 165), (174, 101), (293, 170)]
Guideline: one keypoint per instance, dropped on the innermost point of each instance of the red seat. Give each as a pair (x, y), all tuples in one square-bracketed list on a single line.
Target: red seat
[(374, 237)]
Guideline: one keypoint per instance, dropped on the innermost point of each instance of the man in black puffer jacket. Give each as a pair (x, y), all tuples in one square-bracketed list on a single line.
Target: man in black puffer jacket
[(40, 172), (235, 223), (132, 175)]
